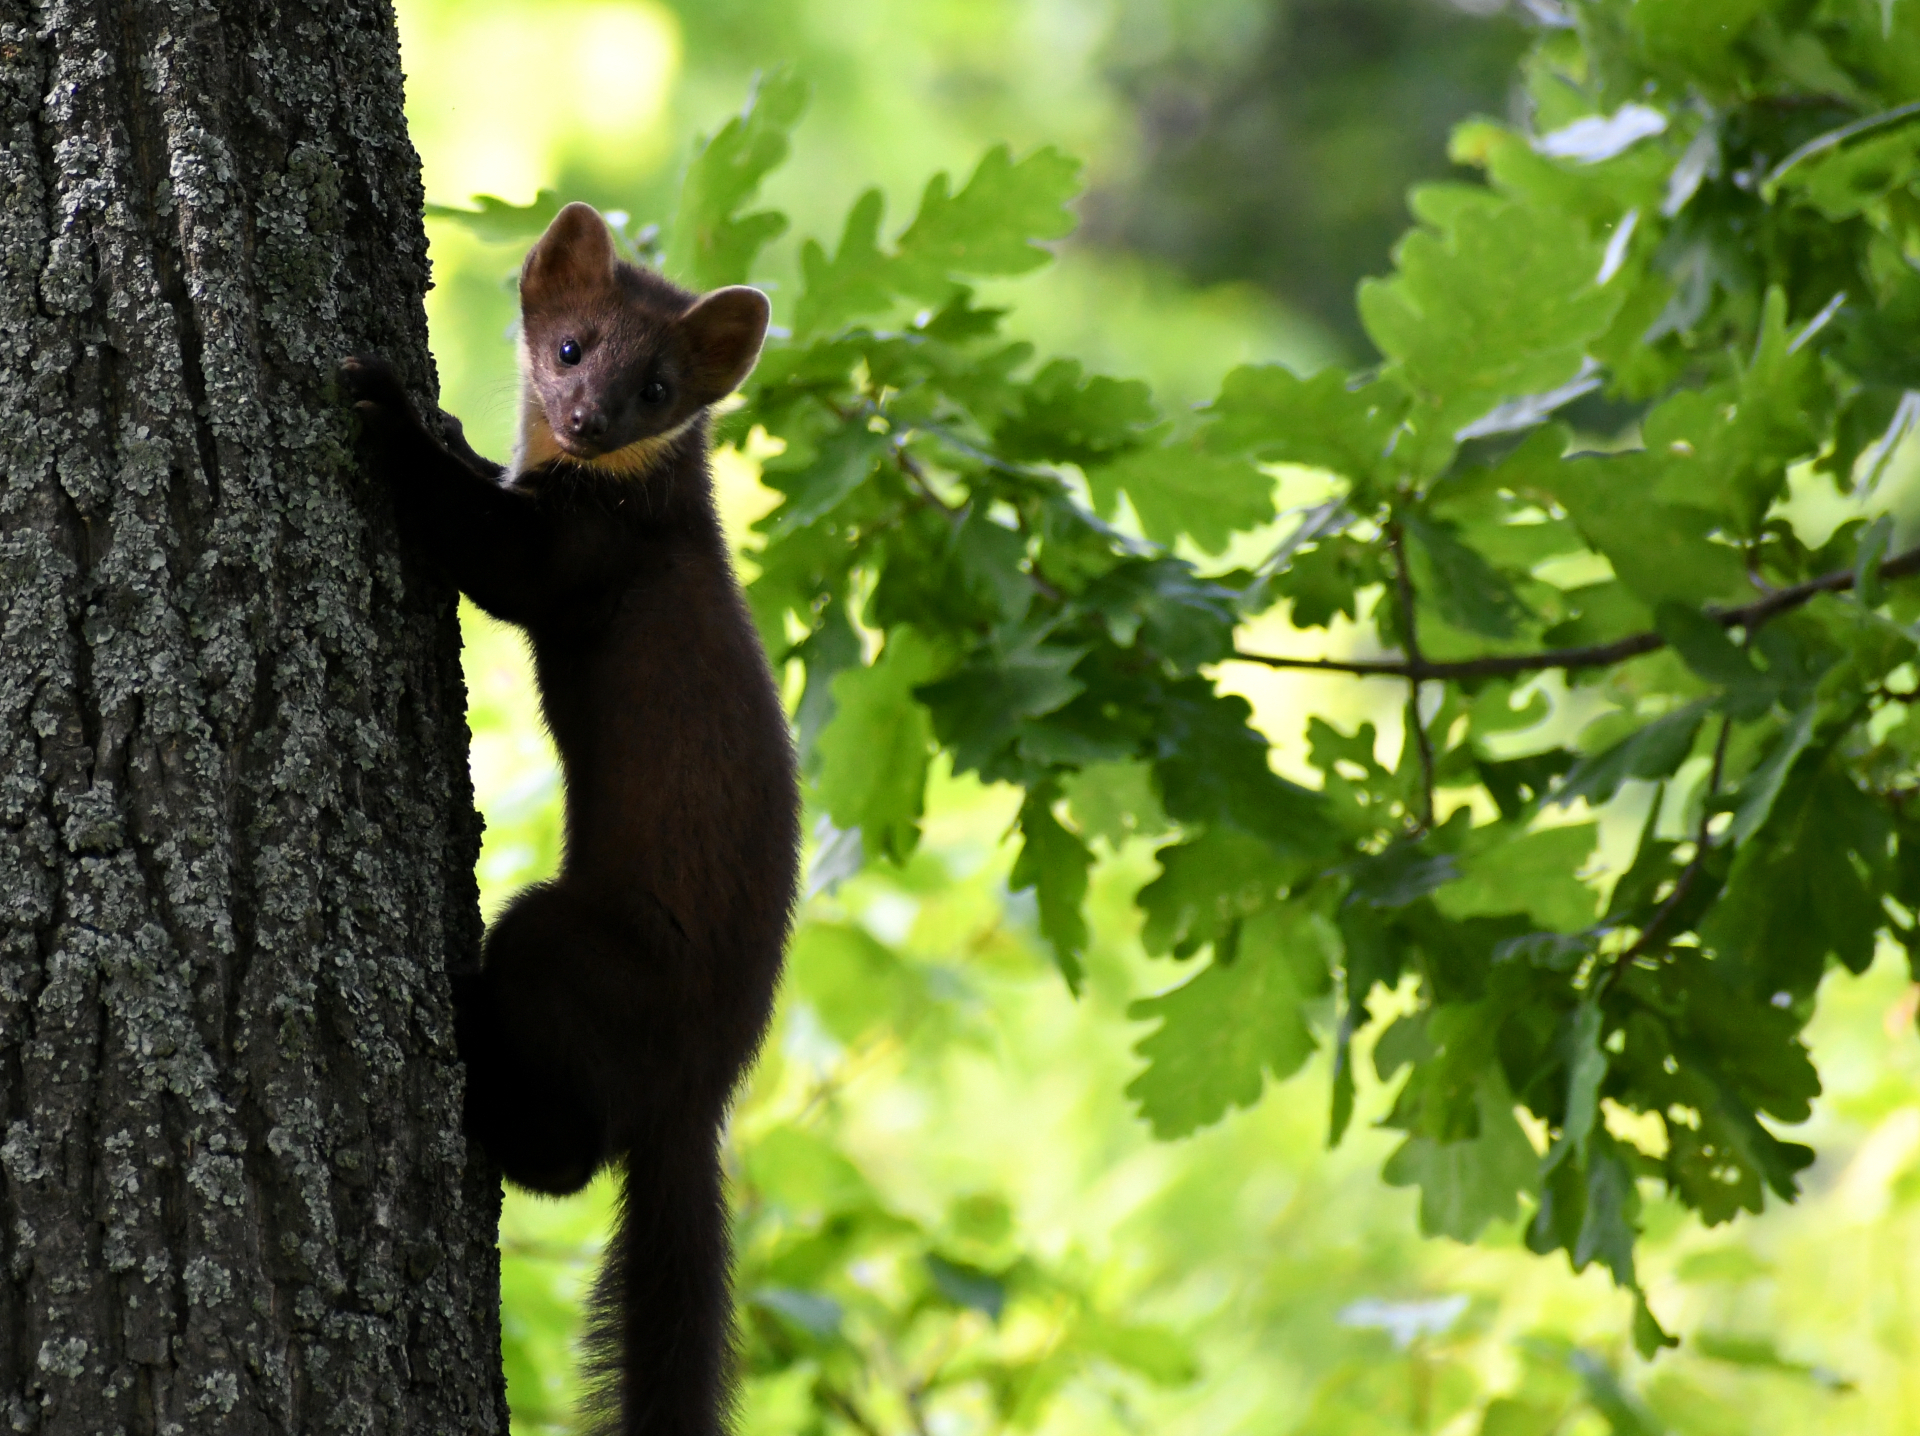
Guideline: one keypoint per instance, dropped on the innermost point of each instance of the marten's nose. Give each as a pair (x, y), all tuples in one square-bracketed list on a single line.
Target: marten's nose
[(587, 422)]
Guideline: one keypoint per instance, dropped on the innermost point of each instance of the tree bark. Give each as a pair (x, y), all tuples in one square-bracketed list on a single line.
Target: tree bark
[(236, 832)]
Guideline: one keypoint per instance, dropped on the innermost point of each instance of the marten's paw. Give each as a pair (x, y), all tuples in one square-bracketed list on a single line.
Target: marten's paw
[(454, 439), (374, 389)]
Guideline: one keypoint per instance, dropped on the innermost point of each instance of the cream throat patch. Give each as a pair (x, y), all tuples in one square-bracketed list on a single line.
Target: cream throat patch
[(537, 445)]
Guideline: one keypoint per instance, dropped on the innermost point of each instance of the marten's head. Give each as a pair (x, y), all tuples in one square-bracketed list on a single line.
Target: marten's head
[(615, 361)]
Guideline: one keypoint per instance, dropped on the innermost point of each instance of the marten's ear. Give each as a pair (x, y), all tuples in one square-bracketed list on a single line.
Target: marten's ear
[(723, 332), (576, 252)]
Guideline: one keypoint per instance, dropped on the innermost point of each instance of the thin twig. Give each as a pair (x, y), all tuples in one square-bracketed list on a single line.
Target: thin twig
[(1833, 139), (986, 459), (909, 467), (1702, 845), (917, 1414), (1046, 589), (917, 476), (853, 1065), (1499, 665), (1410, 635), (843, 1403), (1601, 655)]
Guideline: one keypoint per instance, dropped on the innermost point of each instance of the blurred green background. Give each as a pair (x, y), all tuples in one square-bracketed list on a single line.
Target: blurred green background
[(951, 1222)]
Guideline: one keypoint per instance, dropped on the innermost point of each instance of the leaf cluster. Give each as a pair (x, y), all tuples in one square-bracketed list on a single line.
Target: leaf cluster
[(1563, 523), (858, 1312)]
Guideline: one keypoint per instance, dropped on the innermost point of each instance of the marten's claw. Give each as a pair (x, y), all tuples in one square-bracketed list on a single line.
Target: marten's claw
[(454, 439), (371, 384)]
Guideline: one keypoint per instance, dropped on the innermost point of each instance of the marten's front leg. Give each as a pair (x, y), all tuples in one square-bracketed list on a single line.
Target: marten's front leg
[(479, 535), (454, 436)]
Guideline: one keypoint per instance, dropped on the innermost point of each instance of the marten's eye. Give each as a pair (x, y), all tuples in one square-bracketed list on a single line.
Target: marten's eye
[(569, 352), (655, 392)]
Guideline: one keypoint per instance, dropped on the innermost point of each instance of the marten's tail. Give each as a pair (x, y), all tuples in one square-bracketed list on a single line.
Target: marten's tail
[(660, 1336)]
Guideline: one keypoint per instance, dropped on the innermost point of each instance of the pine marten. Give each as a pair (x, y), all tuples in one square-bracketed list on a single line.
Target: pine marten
[(618, 1004)]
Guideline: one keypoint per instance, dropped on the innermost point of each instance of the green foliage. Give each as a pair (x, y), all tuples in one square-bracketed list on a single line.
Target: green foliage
[(991, 227), (1569, 506), (928, 459), (863, 1315), (1493, 298), (495, 220), (874, 755), (1054, 862), (713, 243), (1250, 1000)]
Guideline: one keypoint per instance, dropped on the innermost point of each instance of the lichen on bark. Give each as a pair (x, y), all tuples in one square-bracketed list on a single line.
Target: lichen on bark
[(236, 834)]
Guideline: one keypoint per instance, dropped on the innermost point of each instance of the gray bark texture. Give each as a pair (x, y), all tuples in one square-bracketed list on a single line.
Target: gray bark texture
[(236, 832)]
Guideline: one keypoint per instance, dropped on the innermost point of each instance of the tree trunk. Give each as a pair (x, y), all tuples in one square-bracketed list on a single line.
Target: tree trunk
[(236, 833)]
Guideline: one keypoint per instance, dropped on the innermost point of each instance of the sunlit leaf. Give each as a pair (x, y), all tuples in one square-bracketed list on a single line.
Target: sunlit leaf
[(1232, 1025), (1466, 1183), (710, 243), (1054, 862), (992, 225), (875, 753)]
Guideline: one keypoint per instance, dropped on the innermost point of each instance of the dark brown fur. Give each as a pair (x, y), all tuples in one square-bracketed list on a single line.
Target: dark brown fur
[(619, 1004)]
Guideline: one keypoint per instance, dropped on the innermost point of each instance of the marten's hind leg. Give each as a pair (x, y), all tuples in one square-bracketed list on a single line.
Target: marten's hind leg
[(540, 1128), (547, 1030)]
